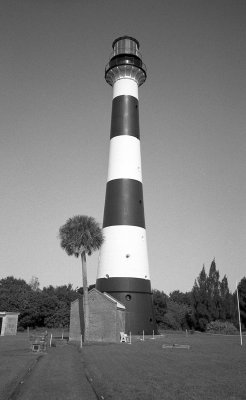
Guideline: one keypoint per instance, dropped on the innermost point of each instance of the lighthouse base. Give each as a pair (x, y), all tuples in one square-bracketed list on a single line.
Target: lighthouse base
[(136, 295)]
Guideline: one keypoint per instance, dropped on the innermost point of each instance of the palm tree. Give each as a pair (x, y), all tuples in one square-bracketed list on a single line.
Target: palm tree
[(79, 236)]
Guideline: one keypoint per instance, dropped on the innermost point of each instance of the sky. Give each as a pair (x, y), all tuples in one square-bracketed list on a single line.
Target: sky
[(55, 111)]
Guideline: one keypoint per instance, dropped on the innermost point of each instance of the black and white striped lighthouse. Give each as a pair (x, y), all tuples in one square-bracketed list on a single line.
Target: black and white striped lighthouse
[(123, 269)]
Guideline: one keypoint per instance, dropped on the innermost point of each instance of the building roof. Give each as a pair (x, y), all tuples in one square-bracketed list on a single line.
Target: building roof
[(119, 305), (108, 296), (4, 313)]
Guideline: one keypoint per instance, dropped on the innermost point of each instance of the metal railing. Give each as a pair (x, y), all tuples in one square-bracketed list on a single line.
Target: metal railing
[(125, 50), (121, 62)]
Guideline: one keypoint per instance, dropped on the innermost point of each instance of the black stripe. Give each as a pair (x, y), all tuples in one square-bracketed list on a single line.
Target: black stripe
[(124, 203), (135, 294), (123, 284), (125, 116)]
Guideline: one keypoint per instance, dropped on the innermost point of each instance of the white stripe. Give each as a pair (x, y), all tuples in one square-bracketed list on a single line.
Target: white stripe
[(125, 86), (124, 158), (124, 253)]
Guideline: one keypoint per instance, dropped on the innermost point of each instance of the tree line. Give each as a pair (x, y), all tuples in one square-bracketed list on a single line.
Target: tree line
[(49, 307), (209, 301)]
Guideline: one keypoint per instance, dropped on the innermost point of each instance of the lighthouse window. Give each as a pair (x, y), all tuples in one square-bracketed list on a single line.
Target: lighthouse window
[(140, 201), (128, 297)]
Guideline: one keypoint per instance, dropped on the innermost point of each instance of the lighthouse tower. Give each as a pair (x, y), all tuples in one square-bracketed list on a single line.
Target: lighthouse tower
[(123, 269)]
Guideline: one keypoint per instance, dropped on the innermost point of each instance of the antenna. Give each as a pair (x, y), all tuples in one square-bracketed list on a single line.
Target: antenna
[(239, 315)]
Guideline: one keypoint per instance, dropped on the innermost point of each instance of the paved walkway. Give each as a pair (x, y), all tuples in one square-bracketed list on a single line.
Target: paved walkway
[(59, 374)]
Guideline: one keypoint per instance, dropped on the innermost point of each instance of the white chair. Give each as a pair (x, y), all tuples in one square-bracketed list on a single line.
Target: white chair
[(123, 337)]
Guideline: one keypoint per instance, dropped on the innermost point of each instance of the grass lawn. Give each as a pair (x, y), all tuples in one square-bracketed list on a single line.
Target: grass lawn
[(16, 359), (213, 368)]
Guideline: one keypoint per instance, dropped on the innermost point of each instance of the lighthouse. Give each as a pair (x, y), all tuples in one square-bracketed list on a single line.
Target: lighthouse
[(123, 269)]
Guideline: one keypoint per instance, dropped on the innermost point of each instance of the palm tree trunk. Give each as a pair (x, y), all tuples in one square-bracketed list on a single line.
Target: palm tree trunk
[(85, 302)]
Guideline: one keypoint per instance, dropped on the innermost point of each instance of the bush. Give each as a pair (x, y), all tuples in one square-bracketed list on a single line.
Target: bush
[(20, 329), (224, 327)]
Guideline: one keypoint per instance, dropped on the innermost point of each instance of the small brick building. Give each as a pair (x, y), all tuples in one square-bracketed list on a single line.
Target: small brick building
[(106, 318), (8, 323)]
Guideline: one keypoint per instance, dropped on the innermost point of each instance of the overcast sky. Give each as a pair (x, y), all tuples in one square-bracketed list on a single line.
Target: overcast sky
[(55, 110)]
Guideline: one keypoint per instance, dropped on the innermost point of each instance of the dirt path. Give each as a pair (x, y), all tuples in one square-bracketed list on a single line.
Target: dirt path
[(59, 374)]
